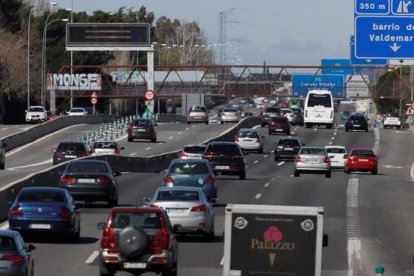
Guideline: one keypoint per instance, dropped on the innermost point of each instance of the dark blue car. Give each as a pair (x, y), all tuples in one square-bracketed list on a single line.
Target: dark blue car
[(45, 210)]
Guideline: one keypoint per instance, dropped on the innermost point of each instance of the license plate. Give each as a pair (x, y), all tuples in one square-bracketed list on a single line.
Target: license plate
[(357, 125), (141, 130), (70, 156), (279, 129), (222, 167), (288, 148), (135, 265), (86, 180), (363, 160), (176, 211), (40, 226)]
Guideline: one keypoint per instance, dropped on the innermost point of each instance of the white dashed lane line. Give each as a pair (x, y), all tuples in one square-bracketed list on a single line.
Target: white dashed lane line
[(92, 257), (179, 133), (258, 196), (333, 138), (266, 185), (148, 148), (255, 161), (171, 137), (132, 153), (280, 163)]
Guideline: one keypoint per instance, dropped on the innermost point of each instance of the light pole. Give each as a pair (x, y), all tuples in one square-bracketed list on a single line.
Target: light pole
[(71, 56), (28, 57), (44, 54)]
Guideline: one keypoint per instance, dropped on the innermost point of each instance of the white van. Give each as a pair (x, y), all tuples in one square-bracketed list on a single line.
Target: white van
[(319, 108)]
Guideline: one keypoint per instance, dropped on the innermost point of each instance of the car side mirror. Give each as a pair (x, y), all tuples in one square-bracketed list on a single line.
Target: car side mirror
[(146, 200), (345, 156), (122, 148), (117, 173), (177, 228), (101, 225), (213, 201), (303, 144), (30, 247)]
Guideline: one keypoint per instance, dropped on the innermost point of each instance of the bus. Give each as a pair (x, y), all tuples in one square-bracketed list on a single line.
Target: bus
[(319, 108)]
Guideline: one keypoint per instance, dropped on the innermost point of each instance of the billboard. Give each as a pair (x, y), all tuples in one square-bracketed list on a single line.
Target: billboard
[(74, 82)]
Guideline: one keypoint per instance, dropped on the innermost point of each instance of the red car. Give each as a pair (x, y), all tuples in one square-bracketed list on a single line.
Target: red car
[(361, 159), (279, 124)]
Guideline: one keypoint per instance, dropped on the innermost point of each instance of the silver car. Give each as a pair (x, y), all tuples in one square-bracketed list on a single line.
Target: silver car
[(249, 139), (104, 147), (197, 114), (312, 160), (188, 209), (229, 115)]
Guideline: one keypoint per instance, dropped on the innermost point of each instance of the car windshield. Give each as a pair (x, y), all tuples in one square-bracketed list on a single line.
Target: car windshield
[(248, 134), (335, 150), (41, 196), (36, 109), (6, 244), (189, 168), (362, 152), (141, 123), (313, 151), (139, 220), (86, 167), (178, 196), (195, 149)]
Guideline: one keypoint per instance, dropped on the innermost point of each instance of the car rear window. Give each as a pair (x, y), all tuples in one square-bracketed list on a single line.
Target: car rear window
[(313, 151), (71, 147), (272, 110), (198, 109), (224, 149), (140, 220), (248, 134), (280, 120), (290, 143), (335, 150), (195, 149), (361, 152), (41, 196), (356, 117), (141, 123), (87, 167), (178, 196), (232, 110), (105, 145), (189, 168), (6, 244)]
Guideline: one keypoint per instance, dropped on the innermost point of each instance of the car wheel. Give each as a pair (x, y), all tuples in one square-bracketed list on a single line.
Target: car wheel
[(260, 151), (189, 123), (130, 139), (276, 158), (170, 272), (328, 174), (210, 235), (296, 173), (2, 166), (112, 202), (288, 133), (206, 123), (132, 242), (242, 175), (366, 130), (104, 270), (154, 140), (346, 170), (346, 129), (375, 172), (263, 125), (329, 126)]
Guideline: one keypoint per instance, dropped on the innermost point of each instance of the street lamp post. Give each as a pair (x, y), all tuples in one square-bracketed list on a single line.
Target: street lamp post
[(28, 57), (44, 54), (71, 56)]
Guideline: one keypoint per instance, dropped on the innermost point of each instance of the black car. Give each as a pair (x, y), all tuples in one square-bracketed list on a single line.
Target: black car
[(69, 150), (142, 129), (226, 158), (287, 148), (356, 122), (90, 180)]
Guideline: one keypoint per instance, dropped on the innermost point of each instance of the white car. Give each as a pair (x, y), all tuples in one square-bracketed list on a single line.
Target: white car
[(392, 120), (250, 139), (229, 115), (36, 114), (77, 111), (337, 155), (103, 147), (288, 113)]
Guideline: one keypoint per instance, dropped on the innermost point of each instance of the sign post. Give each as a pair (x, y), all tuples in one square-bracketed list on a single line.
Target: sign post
[(94, 101), (149, 97)]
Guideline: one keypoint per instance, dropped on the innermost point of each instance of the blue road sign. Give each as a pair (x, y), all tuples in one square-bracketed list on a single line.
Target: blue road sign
[(402, 7), (364, 61), (301, 84), (378, 7), (384, 37), (344, 67)]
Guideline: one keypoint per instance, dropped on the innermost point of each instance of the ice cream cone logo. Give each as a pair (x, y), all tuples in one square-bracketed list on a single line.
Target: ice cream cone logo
[(272, 258)]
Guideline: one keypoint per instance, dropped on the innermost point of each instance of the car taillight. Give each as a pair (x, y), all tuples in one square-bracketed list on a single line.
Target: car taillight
[(103, 180), (210, 180), (326, 159), (84, 153), (168, 178), (153, 205), (93, 150), (56, 153), (109, 240), (68, 180), (64, 213), (208, 154), (298, 158), (279, 147), (117, 151), (200, 208), (16, 211), (183, 154), (16, 259), (163, 235)]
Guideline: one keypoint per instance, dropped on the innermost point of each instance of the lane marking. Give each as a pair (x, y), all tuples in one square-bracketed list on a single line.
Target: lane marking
[(148, 148), (315, 129), (222, 261), (266, 155), (334, 133), (330, 143), (281, 163), (333, 138), (32, 165), (179, 133), (255, 161), (375, 148), (187, 128), (171, 137), (92, 257), (412, 172), (258, 196), (133, 153), (266, 185), (353, 226)]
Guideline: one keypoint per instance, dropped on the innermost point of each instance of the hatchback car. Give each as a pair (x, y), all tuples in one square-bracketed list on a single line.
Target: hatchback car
[(142, 129), (77, 111), (15, 257), (279, 124), (312, 160), (268, 113), (287, 148), (361, 159), (249, 139), (192, 151), (193, 173), (337, 154), (229, 115), (197, 114), (47, 210), (188, 209), (104, 147), (69, 150), (90, 180), (138, 240), (392, 120), (226, 158), (356, 122)]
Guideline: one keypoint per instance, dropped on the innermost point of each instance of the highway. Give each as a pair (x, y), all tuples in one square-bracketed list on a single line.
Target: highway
[(378, 231)]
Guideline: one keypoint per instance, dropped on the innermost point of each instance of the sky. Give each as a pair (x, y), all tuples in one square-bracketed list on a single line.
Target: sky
[(278, 32)]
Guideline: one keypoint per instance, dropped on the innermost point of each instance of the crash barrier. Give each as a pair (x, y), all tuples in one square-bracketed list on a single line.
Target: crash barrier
[(50, 177), (40, 130)]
